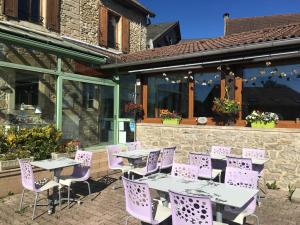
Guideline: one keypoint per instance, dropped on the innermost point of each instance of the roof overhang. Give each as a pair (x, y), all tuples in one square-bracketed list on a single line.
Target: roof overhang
[(138, 6)]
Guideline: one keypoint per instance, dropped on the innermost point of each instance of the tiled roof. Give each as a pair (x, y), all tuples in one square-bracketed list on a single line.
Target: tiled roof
[(224, 42), (239, 25), (154, 31), (136, 4)]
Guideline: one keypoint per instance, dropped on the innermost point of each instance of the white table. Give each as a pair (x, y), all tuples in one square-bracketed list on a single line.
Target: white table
[(135, 155), (259, 162), (55, 165), (221, 194)]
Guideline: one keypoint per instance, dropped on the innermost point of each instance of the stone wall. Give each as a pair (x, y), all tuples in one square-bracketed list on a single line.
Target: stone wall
[(282, 145)]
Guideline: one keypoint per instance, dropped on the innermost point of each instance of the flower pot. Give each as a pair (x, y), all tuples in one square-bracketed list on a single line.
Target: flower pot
[(57, 155), (261, 124), (172, 121), (225, 119), (11, 164)]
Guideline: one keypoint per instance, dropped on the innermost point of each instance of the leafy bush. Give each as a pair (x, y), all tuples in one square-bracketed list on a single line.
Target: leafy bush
[(225, 106), (69, 146), (37, 142)]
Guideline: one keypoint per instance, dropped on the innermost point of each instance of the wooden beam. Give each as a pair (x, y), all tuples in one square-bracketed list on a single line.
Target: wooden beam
[(145, 97), (191, 99), (238, 94)]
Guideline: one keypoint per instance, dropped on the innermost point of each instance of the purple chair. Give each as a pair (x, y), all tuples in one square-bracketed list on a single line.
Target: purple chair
[(81, 172), (139, 203), (255, 154), (191, 209), (242, 163), (131, 146), (151, 165), (167, 158), (241, 178), (29, 183), (185, 170), (221, 150), (203, 161)]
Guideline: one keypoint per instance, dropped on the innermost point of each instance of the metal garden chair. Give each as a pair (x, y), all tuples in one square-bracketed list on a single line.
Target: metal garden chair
[(167, 158), (29, 183), (81, 172), (185, 170), (140, 205), (191, 209), (237, 162), (203, 161), (241, 178), (131, 146)]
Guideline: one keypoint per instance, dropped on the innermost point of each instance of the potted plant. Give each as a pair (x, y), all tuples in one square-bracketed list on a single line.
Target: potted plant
[(135, 111), (225, 110), (66, 149), (169, 118), (262, 119)]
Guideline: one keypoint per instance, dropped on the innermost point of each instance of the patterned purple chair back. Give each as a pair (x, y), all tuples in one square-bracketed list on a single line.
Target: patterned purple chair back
[(167, 157), (243, 178), (113, 161), (190, 209), (138, 200), (241, 163), (221, 150), (185, 170), (254, 153), (152, 161), (203, 161), (131, 146), (85, 159), (27, 175)]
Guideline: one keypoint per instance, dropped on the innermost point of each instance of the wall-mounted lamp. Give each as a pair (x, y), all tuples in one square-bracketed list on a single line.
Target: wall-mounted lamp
[(138, 82)]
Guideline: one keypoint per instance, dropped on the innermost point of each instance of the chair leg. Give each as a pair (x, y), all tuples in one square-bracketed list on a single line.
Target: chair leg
[(69, 187), (21, 202), (89, 187), (35, 202), (256, 217), (127, 218), (219, 178), (59, 198)]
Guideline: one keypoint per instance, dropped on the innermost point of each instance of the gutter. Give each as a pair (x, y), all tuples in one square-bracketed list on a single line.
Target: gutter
[(207, 53)]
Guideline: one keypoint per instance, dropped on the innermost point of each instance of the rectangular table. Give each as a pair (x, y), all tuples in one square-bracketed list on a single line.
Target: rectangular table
[(259, 162), (55, 165), (221, 194), (132, 156)]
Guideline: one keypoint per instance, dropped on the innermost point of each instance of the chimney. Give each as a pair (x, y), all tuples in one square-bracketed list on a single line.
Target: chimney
[(226, 18)]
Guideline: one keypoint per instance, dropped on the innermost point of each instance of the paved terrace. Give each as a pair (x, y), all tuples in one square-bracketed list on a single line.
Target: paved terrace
[(107, 207)]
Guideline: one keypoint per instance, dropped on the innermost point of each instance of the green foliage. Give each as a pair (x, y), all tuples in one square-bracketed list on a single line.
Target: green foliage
[(225, 106), (291, 190), (69, 146), (272, 186), (37, 142)]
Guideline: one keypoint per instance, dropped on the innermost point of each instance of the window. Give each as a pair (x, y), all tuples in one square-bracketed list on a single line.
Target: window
[(26, 87), (272, 89), (207, 87), (29, 10), (112, 30), (168, 92), (127, 93), (89, 95)]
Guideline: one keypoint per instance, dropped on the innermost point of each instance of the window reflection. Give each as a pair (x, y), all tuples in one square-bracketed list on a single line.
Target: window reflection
[(168, 92), (207, 87), (272, 89)]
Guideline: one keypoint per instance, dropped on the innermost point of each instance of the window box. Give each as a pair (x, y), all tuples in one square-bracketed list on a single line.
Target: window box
[(11, 164), (171, 121), (260, 124)]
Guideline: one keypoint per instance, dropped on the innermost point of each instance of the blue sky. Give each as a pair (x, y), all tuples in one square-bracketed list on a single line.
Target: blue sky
[(204, 18)]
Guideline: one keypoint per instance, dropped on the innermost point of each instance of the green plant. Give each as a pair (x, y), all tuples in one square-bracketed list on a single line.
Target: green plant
[(264, 117), (166, 114), (225, 106), (291, 190), (69, 146), (272, 186), (37, 142)]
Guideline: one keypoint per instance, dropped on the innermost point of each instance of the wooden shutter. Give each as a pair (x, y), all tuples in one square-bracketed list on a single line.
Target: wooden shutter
[(11, 8), (125, 35), (103, 25), (53, 15)]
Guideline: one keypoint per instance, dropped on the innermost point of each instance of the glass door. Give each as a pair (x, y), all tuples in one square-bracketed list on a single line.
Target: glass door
[(88, 112)]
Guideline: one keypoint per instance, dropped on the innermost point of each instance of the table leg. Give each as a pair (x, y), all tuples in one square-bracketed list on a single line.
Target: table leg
[(164, 197), (54, 201), (219, 212)]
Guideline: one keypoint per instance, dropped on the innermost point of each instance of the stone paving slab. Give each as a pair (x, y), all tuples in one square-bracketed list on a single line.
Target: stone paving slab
[(106, 207)]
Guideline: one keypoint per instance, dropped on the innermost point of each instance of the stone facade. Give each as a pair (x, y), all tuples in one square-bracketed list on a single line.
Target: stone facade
[(282, 145), (80, 20)]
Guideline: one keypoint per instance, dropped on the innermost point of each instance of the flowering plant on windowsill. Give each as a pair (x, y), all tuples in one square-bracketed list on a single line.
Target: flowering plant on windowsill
[(166, 114), (264, 117), (135, 110)]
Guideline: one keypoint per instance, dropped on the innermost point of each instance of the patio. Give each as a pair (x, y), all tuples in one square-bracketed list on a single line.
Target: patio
[(107, 207)]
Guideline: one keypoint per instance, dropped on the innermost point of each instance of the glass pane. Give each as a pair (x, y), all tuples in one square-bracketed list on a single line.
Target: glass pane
[(207, 87), (88, 111), (27, 56), (70, 65), (127, 94), (26, 98), (272, 89), (168, 92)]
